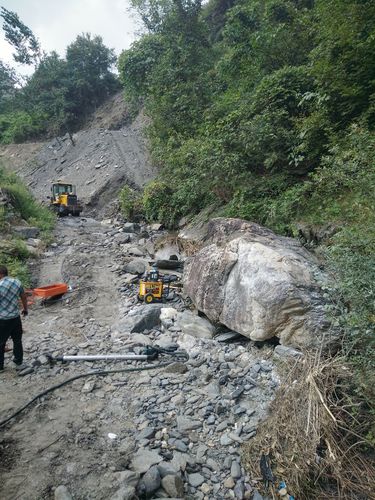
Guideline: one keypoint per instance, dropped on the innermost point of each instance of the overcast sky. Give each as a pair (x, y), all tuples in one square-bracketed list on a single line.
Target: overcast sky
[(56, 23)]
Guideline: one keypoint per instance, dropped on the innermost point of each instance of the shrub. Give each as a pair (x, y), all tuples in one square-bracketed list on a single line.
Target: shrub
[(130, 202)]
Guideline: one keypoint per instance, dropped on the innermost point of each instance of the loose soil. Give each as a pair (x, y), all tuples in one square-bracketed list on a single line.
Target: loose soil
[(62, 435)]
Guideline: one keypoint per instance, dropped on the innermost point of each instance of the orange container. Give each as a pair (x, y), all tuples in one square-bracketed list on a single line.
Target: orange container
[(51, 290)]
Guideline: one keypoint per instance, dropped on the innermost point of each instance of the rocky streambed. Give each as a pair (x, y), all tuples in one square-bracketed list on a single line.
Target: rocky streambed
[(171, 432)]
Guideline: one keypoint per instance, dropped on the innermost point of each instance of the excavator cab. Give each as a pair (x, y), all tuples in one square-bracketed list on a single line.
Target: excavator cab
[(64, 199)]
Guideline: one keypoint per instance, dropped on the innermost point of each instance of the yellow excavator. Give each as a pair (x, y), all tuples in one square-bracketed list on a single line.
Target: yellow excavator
[(64, 199)]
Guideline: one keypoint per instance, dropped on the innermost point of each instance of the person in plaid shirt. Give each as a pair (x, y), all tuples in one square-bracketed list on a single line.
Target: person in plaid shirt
[(11, 291)]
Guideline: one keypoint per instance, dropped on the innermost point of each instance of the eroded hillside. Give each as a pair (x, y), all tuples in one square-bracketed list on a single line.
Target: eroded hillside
[(99, 159)]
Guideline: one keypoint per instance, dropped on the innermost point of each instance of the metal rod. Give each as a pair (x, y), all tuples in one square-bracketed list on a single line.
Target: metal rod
[(95, 357)]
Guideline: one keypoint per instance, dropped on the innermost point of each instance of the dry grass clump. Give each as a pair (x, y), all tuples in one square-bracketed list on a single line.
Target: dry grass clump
[(311, 437)]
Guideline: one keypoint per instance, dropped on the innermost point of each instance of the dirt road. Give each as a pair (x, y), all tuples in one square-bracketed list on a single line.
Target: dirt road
[(173, 432), (66, 434)]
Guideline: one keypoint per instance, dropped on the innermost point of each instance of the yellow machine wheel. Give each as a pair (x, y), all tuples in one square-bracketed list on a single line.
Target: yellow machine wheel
[(149, 298)]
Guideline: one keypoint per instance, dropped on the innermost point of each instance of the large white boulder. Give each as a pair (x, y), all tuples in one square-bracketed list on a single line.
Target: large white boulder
[(257, 283)]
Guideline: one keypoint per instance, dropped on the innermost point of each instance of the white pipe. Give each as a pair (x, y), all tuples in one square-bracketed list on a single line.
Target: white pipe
[(95, 357)]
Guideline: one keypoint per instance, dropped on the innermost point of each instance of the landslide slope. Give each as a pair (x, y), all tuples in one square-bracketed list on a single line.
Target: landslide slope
[(107, 153)]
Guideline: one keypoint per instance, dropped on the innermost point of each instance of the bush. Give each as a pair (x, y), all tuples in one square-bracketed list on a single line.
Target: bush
[(130, 202), (21, 126), (24, 204)]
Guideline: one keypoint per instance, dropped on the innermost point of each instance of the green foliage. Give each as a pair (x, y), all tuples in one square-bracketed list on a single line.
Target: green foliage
[(60, 94), (21, 126), (130, 202), (156, 202), (24, 204), (21, 37), (13, 251)]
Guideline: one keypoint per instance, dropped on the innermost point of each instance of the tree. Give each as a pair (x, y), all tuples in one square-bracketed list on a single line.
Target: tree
[(8, 82), (21, 37), (90, 80)]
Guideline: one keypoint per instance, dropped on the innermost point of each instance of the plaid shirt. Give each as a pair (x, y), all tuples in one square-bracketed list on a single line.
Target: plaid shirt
[(10, 292)]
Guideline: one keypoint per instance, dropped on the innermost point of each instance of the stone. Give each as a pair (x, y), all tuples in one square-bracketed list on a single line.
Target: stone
[(168, 313), (136, 266), (145, 317), (239, 490), (127, 477), (147, 433), (122, 238), (131, 227), (166, 468), (177, 367), (124, 493), (26, 232), (195, 326), (257, 495), (185, 424), (144, 459), (195, 479), (180, 460), (225, 440), (265, 285), (229, 483), (173, 485), (149, 483), (282, 351), (62, 493), (235, 470), (168, 264)]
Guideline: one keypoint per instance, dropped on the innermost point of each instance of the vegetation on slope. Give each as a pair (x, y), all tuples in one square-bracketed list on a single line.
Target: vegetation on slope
[(19, 207), (265, 111), (61, 93)]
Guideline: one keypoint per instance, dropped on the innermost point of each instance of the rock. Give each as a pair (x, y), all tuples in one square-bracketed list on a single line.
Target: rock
[(144, 459), (131, 227), (147, 433), (166, 468), (136, 266), (173, 485), (194, 325), (180, 460), (168, 313), (195, 479), (142, 318), (235, 470), (179, 368), (137, 252), (126, 492), (229, 483), (156, 226), (26, 231), (282, 351), (33, 242), (149, 483), (62, 493), (185, 424), (257, 495), (265, 285), (168, 264), (139, 339), (122, 238), (127, 477)]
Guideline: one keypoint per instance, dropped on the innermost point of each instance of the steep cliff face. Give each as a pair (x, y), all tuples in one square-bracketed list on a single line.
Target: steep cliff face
[(99, 159)]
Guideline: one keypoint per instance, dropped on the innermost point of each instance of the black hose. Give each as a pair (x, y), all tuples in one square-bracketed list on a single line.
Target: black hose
[(76, 377)]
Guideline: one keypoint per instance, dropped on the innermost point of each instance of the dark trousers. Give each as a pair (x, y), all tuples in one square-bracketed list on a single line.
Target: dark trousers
[(11, 328)]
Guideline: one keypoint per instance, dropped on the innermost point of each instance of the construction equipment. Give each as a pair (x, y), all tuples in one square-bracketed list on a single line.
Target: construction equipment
[(155, 287), (64, 199)]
